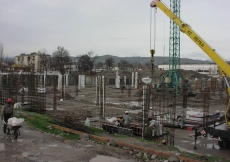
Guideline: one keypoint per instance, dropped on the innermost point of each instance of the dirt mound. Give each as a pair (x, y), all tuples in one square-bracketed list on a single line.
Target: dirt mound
[(61, 114)]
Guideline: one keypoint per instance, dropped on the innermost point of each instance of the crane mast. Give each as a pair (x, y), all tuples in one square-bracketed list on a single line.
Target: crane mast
[(172, 78)]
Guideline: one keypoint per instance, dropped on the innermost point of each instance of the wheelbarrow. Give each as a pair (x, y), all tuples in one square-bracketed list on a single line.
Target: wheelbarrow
[(13, 130)]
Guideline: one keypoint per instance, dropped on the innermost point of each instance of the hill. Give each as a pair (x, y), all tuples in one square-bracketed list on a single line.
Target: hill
[(157, 60)]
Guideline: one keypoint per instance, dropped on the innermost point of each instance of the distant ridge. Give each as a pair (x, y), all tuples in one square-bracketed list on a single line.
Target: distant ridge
[(157, 60)]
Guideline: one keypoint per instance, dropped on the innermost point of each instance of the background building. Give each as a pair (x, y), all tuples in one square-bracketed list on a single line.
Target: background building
[(35, 61), (209, 69)]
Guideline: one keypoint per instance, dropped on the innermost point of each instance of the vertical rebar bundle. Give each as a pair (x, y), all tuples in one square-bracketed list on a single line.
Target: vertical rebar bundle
[(206, 97), (55, 84), (164, 108)]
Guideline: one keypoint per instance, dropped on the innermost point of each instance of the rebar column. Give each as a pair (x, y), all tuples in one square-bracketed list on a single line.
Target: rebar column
[(185, 95), (206, 97), (55, 84)]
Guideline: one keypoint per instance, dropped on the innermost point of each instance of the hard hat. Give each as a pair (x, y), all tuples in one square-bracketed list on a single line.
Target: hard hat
[(9, 100), (126, 112)]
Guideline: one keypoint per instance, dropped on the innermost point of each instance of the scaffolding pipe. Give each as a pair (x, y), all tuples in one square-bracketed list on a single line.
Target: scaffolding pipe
[(103, 95), (96, 92), (143, 112)]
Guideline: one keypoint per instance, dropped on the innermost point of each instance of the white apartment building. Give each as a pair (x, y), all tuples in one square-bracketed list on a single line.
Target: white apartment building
[(209, 69)]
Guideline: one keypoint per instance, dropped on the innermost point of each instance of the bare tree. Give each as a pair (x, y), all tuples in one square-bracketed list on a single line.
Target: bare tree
[(109, 62), (61, 60), (44, 61), (7, 63), (1, 55), (90, 53)]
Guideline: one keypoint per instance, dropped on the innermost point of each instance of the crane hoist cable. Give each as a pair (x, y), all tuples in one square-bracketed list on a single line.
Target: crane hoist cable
[(154, 41), (164, 40), (152, 51)]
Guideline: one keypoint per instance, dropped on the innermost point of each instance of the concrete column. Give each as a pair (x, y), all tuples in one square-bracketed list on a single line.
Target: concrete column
[(132, 79), (59, 81), (67, 80), (136, 80), (79, 82), (117, 80), (125, 81)]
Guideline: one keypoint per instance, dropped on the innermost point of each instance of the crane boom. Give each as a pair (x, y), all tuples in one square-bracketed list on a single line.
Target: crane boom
[(185, 28)]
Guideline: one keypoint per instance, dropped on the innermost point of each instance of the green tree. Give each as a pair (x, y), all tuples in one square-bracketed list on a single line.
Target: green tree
[(99, 64), (109, 62), (86, 62), (123, 65)]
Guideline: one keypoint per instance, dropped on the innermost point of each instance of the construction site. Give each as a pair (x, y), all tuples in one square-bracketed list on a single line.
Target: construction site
[(99, 101), (190, 111)]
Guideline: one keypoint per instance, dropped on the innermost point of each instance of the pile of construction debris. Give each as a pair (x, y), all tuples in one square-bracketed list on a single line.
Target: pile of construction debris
[(71, 120)]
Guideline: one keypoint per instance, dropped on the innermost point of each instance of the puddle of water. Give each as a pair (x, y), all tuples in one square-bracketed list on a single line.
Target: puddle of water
[(194, 113), (21, 155), (42, 148), (135, 111), (25, 154), (100, 158), (53, 109), (132, 103), (184, 149), (67, 141), (19, 140), (54, 145), (2, 146), (115, 103), (135, 103), (197, 142), (211, 146), (94, 119)]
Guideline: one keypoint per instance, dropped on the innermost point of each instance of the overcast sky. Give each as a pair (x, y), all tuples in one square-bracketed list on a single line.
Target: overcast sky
[(115, 27)]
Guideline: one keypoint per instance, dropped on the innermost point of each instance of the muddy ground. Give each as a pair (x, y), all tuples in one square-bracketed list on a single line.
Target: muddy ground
[(34, 145)]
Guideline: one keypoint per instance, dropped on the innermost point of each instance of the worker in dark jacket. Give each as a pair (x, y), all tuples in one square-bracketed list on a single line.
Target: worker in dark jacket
[(7, 112), (126, 119)]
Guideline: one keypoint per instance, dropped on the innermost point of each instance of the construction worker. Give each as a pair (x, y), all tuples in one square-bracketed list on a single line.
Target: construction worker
[(150, 114), (7, 112), (126, 119)]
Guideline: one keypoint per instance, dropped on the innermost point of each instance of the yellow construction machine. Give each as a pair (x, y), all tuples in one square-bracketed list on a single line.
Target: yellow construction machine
[(224, 68)]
